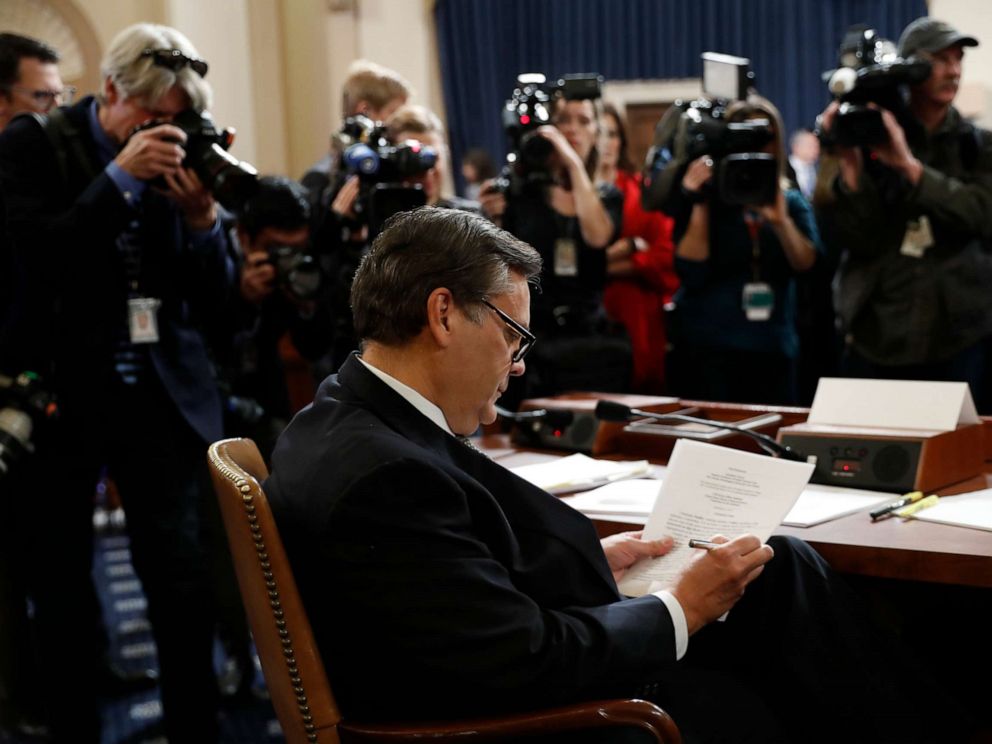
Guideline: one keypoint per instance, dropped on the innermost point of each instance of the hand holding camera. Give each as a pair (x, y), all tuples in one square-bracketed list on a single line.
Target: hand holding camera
[(698, 174), (257, 277), (192, 197), (153, 152)]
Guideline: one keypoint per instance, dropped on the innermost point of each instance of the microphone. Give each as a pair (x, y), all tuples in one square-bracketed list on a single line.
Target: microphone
[(608, 410), (553, 417)]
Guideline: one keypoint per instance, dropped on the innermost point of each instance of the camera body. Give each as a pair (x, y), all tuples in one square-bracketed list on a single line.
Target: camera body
[(743, 174), (870, 72), (383, 168), (24, 404), (527, 167), (231, 181), (297, 272)]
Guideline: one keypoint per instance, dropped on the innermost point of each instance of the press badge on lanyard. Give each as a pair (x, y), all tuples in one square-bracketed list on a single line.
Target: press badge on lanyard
[(918, 237), (142, 319), (758, 298), (566, 257)]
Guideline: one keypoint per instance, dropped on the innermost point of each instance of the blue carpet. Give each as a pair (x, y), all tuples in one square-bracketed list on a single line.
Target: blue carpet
[(136, 719)]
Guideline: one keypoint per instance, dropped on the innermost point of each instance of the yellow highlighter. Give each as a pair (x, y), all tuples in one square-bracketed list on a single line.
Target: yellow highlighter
[(909, 511)]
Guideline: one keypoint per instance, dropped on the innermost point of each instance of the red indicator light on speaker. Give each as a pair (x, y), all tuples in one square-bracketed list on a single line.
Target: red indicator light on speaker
[(557, 432), (525, 120)]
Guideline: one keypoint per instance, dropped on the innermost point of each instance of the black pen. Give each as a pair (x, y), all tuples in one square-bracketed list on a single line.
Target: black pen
[(703, 544), (909, 498)]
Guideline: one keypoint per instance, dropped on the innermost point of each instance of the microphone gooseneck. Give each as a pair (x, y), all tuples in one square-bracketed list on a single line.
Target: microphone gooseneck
[(608, 410)]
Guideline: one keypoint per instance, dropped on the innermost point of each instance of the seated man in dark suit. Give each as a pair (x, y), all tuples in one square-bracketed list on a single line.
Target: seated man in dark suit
[(440, 585)]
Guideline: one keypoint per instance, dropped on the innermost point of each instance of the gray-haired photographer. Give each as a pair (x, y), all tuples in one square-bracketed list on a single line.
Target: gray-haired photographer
[(121, 262), (907, 199)]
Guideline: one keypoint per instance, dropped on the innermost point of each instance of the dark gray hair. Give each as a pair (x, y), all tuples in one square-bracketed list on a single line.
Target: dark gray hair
[(423, 249)]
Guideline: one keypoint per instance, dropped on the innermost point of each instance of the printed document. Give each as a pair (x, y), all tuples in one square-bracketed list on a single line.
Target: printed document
[(710, 490)]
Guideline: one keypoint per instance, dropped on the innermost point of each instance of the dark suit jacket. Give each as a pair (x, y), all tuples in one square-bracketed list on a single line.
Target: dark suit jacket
[(437, 579), (70, 299)]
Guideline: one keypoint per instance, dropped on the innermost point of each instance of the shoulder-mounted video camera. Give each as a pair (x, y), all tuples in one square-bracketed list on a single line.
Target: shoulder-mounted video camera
[(231, 181), (530, 106), (870, 71), (384, 169), (743, 174)]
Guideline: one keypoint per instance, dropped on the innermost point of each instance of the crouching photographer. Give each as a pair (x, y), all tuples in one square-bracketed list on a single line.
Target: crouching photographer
[(280, 283), (741, 234), (546, 197), (116, 278), (908, 201)]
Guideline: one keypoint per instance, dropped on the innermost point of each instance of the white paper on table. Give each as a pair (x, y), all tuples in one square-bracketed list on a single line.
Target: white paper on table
[(972, 510), (579, 472), (819, 504), (711, 490), (629, 498), (900, 404)]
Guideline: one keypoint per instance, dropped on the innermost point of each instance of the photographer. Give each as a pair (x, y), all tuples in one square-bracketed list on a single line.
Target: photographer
[(277, 289), (420, 124), (736, 330), (121, 259), (912, 215), (570, 221)]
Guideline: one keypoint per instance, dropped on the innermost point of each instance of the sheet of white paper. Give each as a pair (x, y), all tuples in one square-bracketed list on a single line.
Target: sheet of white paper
[(633, 498), (900, 404), (819, 504), (579, 472), (972, 510), (711, 490)]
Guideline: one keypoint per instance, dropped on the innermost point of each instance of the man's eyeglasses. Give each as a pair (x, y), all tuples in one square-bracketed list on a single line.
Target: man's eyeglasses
[(527, 339), (173, 59), (45, 99)]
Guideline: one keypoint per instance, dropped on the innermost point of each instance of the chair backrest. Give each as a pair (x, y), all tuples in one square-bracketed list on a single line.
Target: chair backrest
[(293, 669)]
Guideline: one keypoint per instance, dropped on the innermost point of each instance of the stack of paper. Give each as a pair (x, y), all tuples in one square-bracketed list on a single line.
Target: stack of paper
[(819, 504), (580, 473), (964, 510)]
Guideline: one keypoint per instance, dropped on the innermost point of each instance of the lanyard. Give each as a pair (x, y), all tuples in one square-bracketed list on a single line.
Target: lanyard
[(753, 221)]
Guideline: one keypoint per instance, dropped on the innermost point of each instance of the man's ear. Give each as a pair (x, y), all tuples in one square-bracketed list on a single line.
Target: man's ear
[(441, 316), (110, 93)]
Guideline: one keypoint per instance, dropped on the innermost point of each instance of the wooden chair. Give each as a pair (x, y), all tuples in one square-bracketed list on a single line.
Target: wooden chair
[(293, 668)]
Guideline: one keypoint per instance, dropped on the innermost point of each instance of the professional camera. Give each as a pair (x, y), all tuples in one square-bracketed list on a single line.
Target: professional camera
[(870, 72), (528, 163), (231, 181), (689, 129), (296, 271), (24, 404), (384, 169)]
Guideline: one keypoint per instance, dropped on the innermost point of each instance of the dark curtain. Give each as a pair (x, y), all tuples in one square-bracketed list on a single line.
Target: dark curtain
[(484, 44)]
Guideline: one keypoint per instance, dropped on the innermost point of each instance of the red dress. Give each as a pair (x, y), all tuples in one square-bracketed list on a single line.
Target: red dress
[(638, 302)]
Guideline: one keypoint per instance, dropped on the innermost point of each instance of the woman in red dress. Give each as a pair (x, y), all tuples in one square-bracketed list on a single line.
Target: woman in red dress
[(639, 263)]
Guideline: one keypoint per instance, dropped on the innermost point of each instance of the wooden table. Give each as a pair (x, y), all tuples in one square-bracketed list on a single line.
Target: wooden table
[(892, 548)]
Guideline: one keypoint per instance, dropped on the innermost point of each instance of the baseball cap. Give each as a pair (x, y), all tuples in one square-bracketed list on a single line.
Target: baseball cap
[(930, 35)]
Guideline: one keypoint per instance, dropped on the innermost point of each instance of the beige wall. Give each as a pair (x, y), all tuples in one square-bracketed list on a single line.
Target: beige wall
[(277, 65), (974, 18)]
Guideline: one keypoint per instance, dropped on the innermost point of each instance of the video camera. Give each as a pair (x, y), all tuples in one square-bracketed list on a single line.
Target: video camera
[(383, 168), (689, 129), (527, 167), (24, 404), (231, 181), (870, 71)]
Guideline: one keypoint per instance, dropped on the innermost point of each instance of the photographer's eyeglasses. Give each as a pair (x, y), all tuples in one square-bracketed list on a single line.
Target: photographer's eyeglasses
[(46, 99), (175, 60), (527, 339)]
